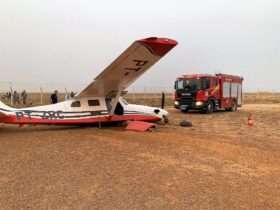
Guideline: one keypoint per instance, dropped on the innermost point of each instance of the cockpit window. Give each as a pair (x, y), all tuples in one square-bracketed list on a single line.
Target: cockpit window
[(76, 104), (205, 83), (179, 85), (93, 103)]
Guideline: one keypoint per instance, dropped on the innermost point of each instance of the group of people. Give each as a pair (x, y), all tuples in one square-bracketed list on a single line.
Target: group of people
[(16, 97)]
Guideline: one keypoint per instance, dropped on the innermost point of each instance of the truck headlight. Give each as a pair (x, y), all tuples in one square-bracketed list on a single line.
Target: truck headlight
[(199, 103), (176, 103)]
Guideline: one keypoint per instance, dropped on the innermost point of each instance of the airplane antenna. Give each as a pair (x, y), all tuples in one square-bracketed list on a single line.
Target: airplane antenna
[(41, 95)]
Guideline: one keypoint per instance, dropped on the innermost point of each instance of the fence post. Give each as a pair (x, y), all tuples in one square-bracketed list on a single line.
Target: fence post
[(41, 95), (12, 93), (162, 100), (66, 97)]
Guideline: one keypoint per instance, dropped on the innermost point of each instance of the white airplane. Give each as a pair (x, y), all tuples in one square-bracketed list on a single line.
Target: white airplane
[(101, 101)]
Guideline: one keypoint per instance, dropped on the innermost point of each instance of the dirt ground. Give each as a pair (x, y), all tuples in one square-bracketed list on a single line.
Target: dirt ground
[(219, 163)]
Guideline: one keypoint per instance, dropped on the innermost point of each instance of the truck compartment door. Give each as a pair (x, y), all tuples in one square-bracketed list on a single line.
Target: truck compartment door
[(234, 90), (226, 90)]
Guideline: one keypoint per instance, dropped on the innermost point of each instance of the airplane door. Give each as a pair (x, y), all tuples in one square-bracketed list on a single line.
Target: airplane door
[(119, 110)]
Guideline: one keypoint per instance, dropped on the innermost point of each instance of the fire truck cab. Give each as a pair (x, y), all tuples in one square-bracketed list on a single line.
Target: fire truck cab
[(208, 93)]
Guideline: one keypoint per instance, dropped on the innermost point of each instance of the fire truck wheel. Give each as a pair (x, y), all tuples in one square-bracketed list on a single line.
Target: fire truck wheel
[(209, 108)]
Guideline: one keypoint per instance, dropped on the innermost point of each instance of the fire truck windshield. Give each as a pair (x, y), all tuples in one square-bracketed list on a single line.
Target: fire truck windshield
[(192, 84)]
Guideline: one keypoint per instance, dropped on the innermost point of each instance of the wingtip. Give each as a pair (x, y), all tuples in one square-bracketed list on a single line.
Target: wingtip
[(158, 46)]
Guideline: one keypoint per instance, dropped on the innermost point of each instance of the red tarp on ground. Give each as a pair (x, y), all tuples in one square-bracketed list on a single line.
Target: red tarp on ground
[(139, 126)]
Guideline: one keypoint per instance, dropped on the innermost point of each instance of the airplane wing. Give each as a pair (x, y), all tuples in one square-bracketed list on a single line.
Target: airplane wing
[(130, 65)]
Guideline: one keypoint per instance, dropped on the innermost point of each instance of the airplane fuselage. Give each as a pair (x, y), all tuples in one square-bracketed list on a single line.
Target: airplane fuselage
[(92, 110)]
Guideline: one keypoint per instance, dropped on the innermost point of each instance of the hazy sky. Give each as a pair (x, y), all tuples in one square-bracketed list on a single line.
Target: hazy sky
[(69, 42)]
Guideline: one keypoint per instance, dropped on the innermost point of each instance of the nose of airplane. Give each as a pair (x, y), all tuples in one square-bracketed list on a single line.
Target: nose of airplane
[(163, 114)]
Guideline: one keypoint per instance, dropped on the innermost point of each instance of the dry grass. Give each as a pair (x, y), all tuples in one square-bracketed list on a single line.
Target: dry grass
[(249, 98), (261, 98)]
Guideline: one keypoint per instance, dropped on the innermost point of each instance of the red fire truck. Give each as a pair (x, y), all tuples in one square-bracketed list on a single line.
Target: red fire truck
[(208, 93)]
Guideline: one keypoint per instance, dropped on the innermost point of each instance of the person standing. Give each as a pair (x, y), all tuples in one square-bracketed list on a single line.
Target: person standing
[(9, 95), (24, 97), (54, 97), (16, 100), (72, 94)]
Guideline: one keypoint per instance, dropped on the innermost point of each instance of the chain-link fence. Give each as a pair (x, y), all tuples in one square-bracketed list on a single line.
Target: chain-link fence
[(40, 94), (36, 94)]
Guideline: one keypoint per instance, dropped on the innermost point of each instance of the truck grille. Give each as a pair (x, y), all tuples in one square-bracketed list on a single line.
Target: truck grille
[(186, 100)]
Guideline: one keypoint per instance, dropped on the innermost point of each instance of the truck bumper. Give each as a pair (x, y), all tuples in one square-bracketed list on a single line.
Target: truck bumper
[(196, 105)]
